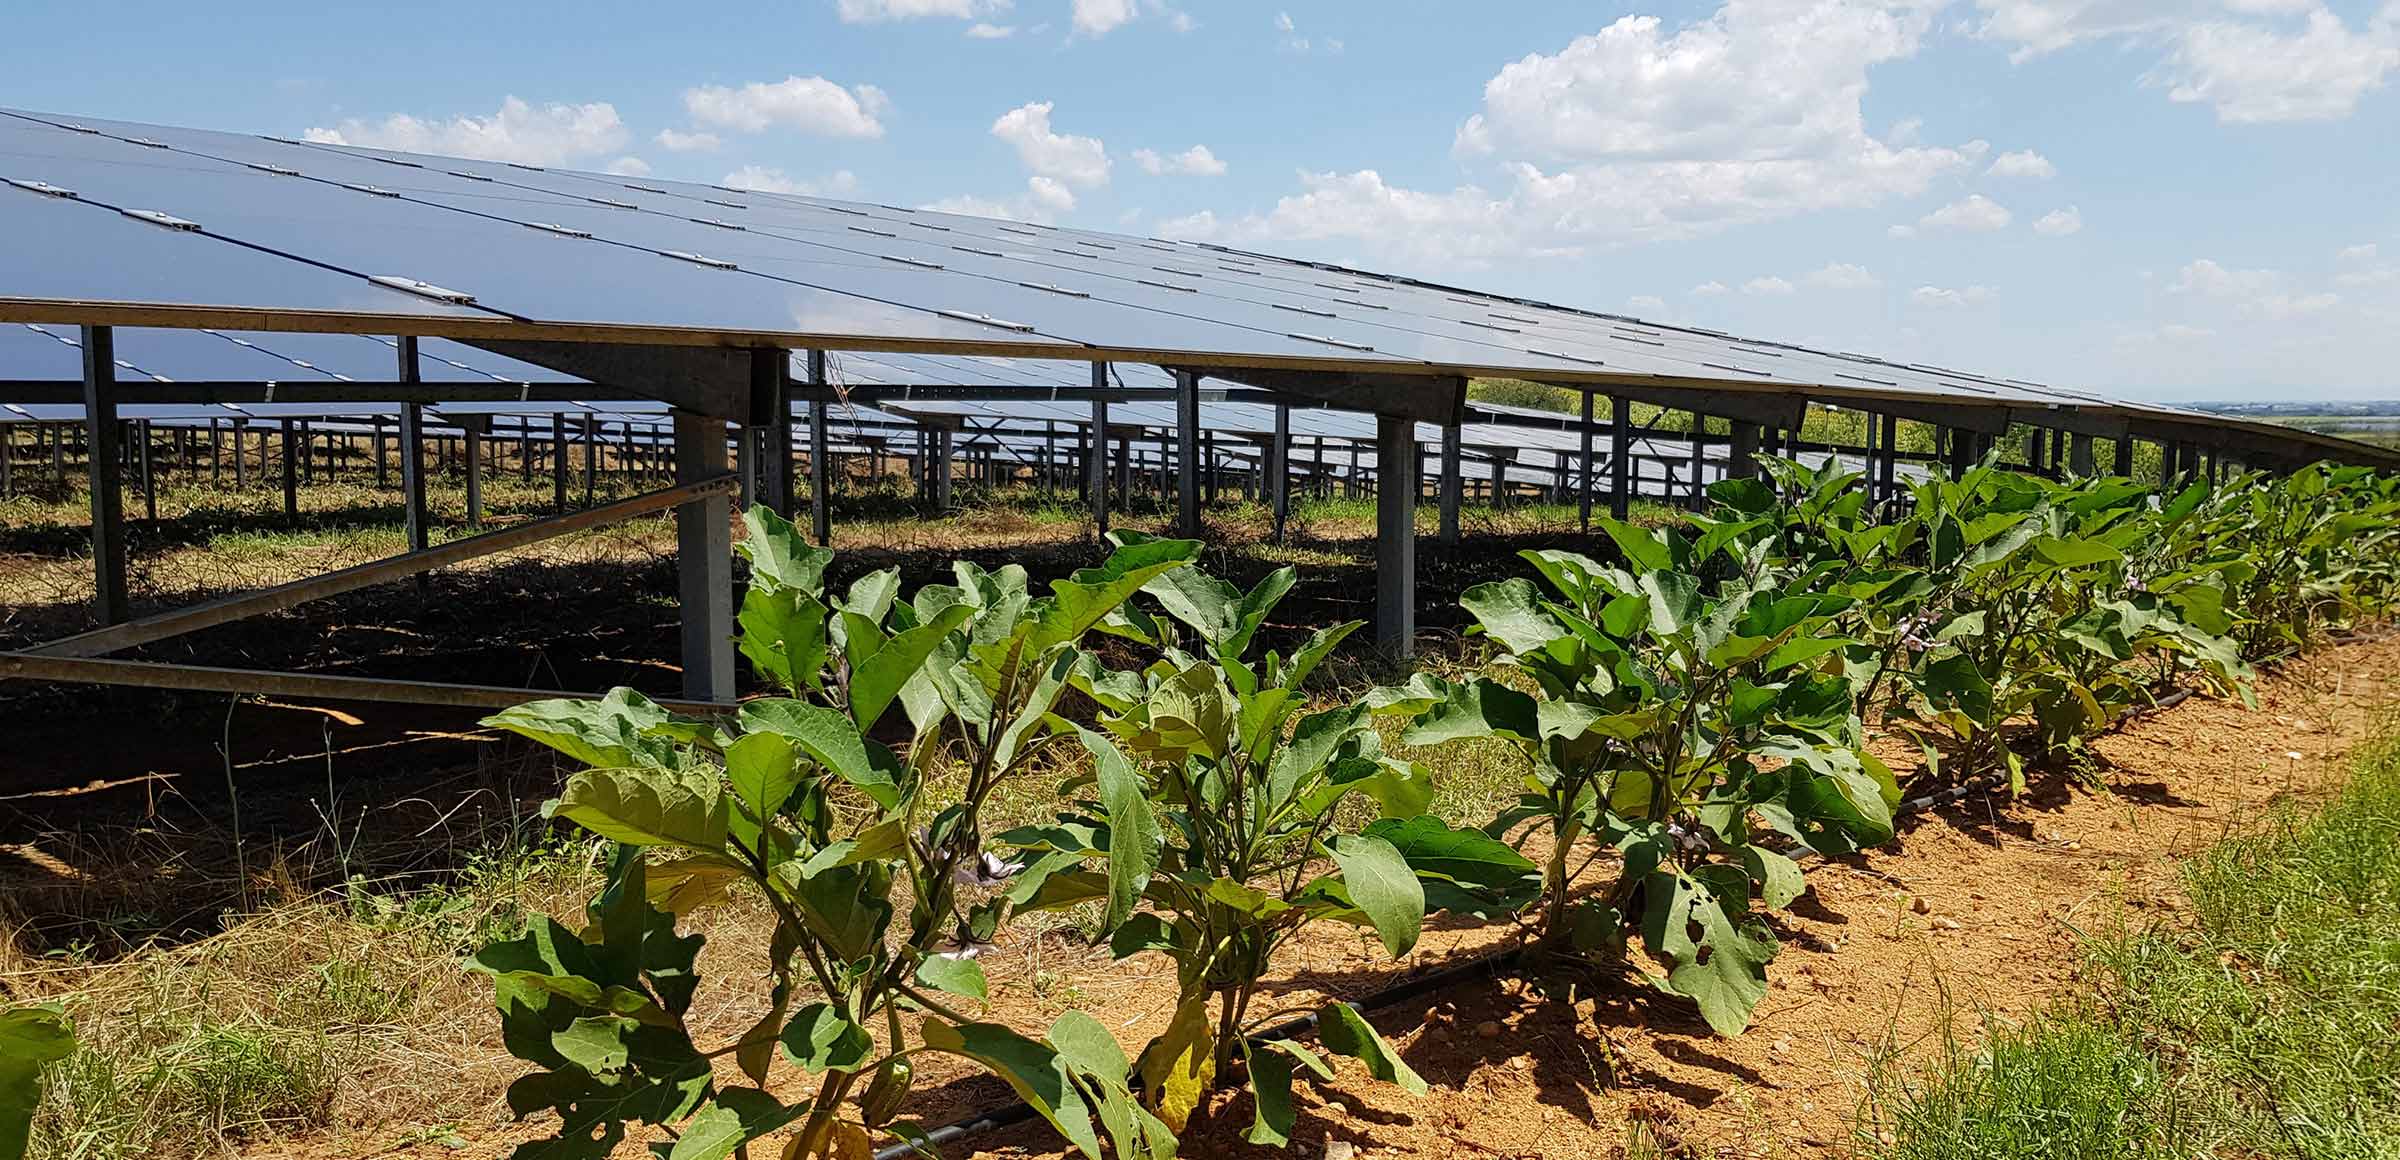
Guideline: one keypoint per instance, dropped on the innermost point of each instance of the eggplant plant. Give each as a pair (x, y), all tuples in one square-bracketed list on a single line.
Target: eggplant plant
[(797, 802), (1217, 814), (1694, 732)]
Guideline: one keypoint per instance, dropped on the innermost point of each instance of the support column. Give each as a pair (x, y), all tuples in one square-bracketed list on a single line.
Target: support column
[(1742, 461), (1452, 481), (1095, 460), (383, 464), (771, 424), (1395, 538), (558, 461), (591, 459), (820, 452), (2079, 454), (412, 460), (1699, 496), (1889, 467), (474, 439), (1583, 489), (291, 472), (149, 480), (945, 446), (704, 562), (1620, 456), (1187, 454), (1282, 479), (109, 602)]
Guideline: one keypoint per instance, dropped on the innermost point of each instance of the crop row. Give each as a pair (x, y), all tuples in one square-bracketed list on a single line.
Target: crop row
[(1691, 714)]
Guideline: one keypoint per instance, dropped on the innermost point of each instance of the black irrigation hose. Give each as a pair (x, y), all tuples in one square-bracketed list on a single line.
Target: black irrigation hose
[(1495, 963), (1424, 984)]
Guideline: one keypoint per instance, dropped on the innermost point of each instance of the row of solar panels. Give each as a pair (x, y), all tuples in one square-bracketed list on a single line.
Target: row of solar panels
[(106, 218)]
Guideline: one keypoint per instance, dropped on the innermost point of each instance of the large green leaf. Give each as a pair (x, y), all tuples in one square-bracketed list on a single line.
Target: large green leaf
[(764, 769), (779, 555), (1478, 708), (1133, 833), (30, 1037), (879, 678), (1382, 886), (1955, 682), (820, 1037), (619, 730), (1642, 547), (1725, 969), (733, 1118), (1490, 877), (957, 974), (783, 634), (1510, 611), (833, 741), (1344, 1031), (1272, 1116), (647, 807), (1033, 1069), (1090, 594)]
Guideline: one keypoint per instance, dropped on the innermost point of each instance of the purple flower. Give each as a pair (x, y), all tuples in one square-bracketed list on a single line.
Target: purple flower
[(984, 870)]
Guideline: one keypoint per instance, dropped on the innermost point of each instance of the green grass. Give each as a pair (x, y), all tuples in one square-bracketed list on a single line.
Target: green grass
[(2264, 1027)]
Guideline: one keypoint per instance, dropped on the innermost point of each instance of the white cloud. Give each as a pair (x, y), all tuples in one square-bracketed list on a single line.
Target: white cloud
[(1283, 22), (1648, 302), (1944, 297), (1902, 232), (988, 31), (1708, 289), (2255, 73), (2181, 332), (2254, 60), (973, 206), (2022, 163), (675, 141), (2258, 293), (1063, 157), (554, 134), (629, 166), (1767, 284), (1190, 227), (1842, 276), (2363, 252), (1196, 161), (1051, 194), (2058, 223), (842, 183), (1974, 213), (1100, 17), (809, 104), (877, 11)]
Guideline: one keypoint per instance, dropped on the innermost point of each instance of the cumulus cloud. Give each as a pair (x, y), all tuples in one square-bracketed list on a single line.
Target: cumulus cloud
[(2058, 223), (1062, 157), (989, 31), (1100, 17), (1644, 131), (2252, 293), (1948, 298), (1842, 276), (809, 104), (841, 183), (1708, 289), (2022, 163), (2252, 60), (629, 166), (554, 134), (1767, 284), (1649, 302), (1196, 161), (1973, 213), (675, 141), (878, 11)]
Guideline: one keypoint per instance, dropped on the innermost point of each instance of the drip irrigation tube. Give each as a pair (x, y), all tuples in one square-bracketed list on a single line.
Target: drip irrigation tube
[(1495, 963)]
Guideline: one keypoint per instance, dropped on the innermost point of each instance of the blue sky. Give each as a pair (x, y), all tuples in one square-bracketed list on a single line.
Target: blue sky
[(2170, 198)]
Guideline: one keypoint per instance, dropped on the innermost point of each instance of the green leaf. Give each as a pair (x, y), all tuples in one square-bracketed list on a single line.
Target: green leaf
[(647, 807), (1642, 547), (1489, 877), (764, 771), (877, 680), (833, 741), (1133, 832), (1674, 601), (1779, 879), (734, 1118), (780, 557), (1271, 1092), (821, 1038), (1478, 708), (29, 1038), (1954, 681), (2075, 553), (1344, 1031), (1725, 969), (620, 730), (1383, 887), (1032, 1069), (1510, 611), (956, 974), (1090, 594), (783, 634)]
